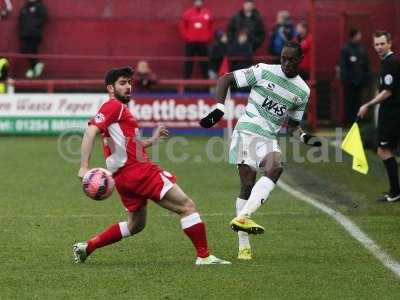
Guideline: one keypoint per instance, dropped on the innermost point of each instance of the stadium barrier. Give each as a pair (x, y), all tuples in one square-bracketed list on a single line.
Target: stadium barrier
[(180, 86), (50, 85), (52, 114)]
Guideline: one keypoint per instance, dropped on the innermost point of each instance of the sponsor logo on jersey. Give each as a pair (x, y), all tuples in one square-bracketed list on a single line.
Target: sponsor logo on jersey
[(248, 72), (274, 107), (99, 118), (296, 99), (270, 86)]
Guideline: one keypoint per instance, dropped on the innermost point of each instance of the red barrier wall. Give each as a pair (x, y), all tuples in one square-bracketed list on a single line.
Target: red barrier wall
[(142, 27)]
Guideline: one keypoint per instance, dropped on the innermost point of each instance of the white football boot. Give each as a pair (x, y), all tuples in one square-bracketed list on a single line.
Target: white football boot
[(211, 260), (79, 252)]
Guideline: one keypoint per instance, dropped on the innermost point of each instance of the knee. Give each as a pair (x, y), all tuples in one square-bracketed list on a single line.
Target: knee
[(188, 207), (136, 227), (274, 173), (245, 190)]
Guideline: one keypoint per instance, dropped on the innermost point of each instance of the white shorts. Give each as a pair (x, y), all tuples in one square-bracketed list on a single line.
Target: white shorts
[(249, 149)]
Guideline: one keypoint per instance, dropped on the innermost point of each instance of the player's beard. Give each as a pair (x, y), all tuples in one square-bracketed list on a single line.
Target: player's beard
[(122, 97)]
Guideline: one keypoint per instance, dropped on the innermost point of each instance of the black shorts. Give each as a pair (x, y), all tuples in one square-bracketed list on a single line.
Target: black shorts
[(389, 127)]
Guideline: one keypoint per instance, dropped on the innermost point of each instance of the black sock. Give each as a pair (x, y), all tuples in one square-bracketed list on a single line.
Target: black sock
[(392, 171)]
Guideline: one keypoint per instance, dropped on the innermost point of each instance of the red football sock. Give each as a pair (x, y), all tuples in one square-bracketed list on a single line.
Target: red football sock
[(196, 231), (109, 236)]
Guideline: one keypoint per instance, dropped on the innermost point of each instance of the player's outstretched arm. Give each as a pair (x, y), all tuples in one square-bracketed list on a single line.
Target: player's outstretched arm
[(86, 149), (223, 85), (296, 131), (161, 132)]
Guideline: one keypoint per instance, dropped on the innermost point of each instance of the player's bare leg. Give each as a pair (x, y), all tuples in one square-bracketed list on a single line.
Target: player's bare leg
[(272, 168), (247, 180), (116, 232), (177, 201)]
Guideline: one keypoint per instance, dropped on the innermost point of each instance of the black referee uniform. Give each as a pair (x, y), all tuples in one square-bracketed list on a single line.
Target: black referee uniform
[(389, 116), (389, 111)]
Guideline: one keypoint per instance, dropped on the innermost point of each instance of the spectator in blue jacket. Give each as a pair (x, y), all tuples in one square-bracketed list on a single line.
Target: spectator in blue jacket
[(282, 32)]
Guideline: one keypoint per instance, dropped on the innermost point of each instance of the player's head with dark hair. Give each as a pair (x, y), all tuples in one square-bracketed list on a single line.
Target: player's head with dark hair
[(291, 57), (382, 43), (294, 45), (118, 82)]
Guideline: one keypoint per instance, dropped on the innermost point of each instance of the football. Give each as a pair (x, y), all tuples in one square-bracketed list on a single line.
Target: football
[(98, 184)]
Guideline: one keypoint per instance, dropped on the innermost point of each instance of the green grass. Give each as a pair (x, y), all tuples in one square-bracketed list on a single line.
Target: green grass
[(303, 255), (354, 194)]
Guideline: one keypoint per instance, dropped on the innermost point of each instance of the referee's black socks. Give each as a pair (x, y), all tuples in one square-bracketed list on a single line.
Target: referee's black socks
[(392, 171)]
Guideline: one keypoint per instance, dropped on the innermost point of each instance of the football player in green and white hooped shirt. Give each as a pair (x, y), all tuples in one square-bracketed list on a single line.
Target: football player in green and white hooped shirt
[(277, 93)]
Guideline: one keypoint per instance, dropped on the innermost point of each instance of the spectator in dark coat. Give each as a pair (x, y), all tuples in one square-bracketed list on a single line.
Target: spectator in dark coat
[(196, 28), (31, 21), (241, 51), (250, 20), (143, 78), (218, 50), (355, 73), (282, 32)]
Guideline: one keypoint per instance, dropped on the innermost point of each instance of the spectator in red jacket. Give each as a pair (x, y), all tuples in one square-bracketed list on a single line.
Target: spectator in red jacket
[(196, 29), (305, 39)]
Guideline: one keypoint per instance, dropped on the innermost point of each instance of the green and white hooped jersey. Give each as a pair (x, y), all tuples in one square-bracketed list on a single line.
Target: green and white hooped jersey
[(272, 99)]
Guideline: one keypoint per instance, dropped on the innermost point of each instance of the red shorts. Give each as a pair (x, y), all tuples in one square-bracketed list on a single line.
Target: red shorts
[(140, 182)]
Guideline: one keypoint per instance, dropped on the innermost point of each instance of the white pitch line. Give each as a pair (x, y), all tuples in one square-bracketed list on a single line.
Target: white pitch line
[(350, 227)]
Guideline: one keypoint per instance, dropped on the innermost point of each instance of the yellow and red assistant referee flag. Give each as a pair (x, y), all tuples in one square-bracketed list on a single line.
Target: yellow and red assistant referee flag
[(352, 144)]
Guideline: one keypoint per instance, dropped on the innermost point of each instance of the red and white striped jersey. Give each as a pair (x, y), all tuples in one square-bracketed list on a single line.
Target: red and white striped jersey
[(119, 130)]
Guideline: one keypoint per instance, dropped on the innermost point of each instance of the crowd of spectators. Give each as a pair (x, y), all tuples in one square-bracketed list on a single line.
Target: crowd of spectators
[(245, 33), (244, 36)]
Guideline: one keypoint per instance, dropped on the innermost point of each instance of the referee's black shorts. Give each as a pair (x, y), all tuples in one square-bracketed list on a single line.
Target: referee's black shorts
[(389, 127)]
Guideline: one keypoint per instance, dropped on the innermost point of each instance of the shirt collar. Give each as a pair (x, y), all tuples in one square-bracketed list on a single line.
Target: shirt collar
[(387, 55)]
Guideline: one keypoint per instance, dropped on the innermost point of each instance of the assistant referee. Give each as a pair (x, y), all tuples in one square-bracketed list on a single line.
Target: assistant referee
[(389, 111)]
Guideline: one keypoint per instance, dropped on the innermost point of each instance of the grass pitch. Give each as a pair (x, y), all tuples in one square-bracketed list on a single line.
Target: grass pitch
[(303, 254)]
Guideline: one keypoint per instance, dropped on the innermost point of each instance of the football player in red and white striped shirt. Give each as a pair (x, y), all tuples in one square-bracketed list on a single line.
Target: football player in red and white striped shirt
[(136, 177)]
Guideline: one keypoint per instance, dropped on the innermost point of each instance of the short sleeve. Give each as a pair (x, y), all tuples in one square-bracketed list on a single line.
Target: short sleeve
[(108, 113), (297, 112), (389, 76), (248, 77)]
